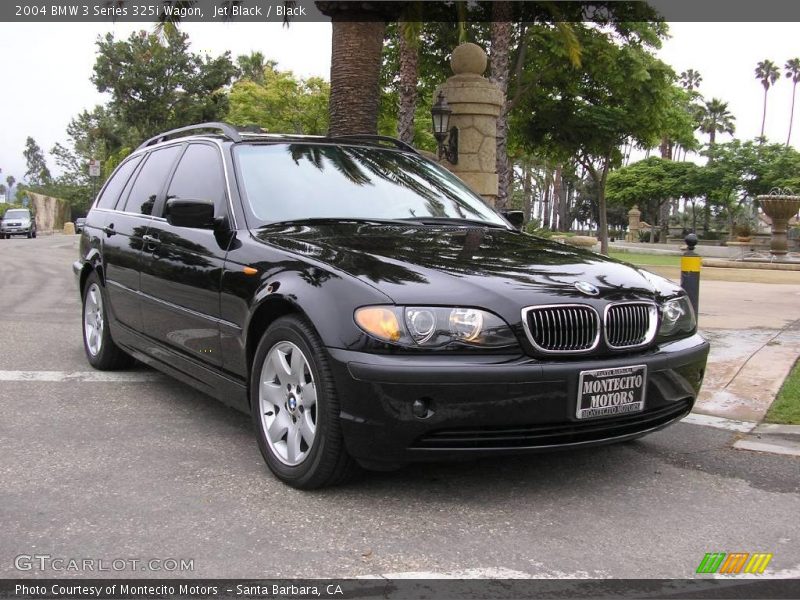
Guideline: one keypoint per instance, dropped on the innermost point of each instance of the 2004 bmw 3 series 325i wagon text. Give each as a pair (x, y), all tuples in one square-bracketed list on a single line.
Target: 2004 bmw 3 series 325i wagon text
[(368, 309)]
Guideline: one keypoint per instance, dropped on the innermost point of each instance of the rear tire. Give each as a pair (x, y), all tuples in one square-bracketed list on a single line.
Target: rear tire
[(101, 351), (295, 408)]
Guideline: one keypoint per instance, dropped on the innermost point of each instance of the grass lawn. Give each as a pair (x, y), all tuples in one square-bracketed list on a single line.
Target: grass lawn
[(786, 408), (664, 260)]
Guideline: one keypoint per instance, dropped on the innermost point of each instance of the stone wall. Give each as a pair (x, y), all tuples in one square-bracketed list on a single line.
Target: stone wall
[(51, 213)]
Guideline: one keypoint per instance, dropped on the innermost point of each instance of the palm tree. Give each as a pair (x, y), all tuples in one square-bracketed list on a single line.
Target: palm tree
[(408, 33), (768, 73), (356, 46), (10, 180), (252, 66), (502, 14), (792, 72), (3, 192), (690, 79), (715, 119)]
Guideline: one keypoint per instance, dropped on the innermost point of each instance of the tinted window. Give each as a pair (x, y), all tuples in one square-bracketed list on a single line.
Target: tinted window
[(299, 181), (150, 180), (199, 177), (110, 194)]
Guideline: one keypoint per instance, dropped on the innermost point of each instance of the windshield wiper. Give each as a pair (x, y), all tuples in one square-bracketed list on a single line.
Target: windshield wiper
[(312, 220), (453, 220)]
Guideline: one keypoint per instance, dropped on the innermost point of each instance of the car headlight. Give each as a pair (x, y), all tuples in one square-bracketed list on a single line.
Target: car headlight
[(677, 318), (435, 326)]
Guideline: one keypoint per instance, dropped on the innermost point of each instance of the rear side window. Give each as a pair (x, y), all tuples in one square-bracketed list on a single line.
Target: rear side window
[(110, 194), (150, 180), (199, 177)]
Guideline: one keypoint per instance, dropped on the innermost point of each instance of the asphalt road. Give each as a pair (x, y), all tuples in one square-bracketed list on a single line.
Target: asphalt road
[(139, 466)]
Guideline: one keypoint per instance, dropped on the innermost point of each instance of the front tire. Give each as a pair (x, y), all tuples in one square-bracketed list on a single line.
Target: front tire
[(295, 408), (101, 351)]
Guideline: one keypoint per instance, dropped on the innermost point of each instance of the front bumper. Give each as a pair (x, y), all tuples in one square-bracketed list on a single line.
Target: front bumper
[(16, 231), (488, 405)]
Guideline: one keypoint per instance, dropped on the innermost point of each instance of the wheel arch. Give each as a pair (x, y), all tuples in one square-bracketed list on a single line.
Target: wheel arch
[(268, 311), (91, 264)]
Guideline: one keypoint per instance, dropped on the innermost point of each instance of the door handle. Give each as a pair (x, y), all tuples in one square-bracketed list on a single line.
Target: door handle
[(109, 230), (151, 242)]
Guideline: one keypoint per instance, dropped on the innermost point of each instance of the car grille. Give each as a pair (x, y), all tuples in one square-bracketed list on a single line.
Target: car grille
[(575, 328), (564, 328), (542, 436), (631, 324)]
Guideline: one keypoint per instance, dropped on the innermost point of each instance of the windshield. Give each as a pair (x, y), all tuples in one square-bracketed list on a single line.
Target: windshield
[(17, 214), (287, 182)]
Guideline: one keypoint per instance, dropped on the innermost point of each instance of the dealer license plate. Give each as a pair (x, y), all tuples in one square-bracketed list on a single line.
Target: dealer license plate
[(606, 392)]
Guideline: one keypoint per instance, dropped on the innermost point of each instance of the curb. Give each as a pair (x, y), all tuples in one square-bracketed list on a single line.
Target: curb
[(765, 437), (743, 264), (772, 438)]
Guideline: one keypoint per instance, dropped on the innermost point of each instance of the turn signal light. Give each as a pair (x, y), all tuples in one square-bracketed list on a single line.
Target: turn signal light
[(380, 322)]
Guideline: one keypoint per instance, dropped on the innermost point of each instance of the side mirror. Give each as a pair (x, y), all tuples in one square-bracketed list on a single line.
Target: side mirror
[(515, 217), (196, 214)]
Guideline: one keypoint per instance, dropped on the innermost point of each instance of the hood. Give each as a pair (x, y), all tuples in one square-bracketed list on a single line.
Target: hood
[(468, 266)]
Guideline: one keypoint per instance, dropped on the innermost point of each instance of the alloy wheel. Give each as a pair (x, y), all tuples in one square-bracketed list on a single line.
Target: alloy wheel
[(93, 324), (287, 400)]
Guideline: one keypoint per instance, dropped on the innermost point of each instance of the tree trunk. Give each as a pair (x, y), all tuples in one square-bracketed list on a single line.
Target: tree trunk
[(355, 75), (791, 115), (546, 202), (764, 115), (500, 54), (526, 192), (409, 61), (602, 224), (665, 148)]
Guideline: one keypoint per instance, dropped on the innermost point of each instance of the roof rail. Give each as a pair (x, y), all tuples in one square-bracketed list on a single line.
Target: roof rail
[(227, 130), (376, 138)]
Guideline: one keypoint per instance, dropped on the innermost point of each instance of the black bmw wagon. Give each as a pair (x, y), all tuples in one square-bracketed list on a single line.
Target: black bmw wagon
[(367, 308)]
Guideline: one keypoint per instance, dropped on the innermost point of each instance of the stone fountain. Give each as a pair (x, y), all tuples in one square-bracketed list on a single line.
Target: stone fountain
[(780, 206)]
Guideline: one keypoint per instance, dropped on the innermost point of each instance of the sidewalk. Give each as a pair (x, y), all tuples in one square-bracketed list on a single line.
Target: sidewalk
[(754, 330)]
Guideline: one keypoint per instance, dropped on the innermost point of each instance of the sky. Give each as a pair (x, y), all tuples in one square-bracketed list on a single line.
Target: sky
[(45, 70)]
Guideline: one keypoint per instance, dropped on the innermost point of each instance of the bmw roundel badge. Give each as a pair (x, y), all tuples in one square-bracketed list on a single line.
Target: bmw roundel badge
[(586, 288)]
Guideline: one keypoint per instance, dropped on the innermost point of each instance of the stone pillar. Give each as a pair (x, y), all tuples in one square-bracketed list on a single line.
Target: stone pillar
[(476, 103), (634, 223)]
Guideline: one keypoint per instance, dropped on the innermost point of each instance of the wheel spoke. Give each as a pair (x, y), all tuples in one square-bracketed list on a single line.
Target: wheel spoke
[(281, 366), (307, 428), (293, 444), (272, 393), (298, 366), (309, 395), (278, 428)]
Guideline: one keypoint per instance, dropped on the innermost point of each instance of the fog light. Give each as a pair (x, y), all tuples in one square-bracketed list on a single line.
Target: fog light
[(420, 408)]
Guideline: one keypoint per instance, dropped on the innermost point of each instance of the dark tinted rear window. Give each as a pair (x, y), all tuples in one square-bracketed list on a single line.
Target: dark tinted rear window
[(110, 194), (150, 180)]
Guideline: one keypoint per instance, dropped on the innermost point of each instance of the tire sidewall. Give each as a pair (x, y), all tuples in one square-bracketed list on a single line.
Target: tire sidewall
[(287, 329)]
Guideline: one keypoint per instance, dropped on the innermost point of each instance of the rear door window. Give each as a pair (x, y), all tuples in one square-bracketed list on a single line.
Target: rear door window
[(150, 181)]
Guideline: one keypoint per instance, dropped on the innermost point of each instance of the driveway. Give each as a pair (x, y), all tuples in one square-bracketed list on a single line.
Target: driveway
[(132, 465)]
